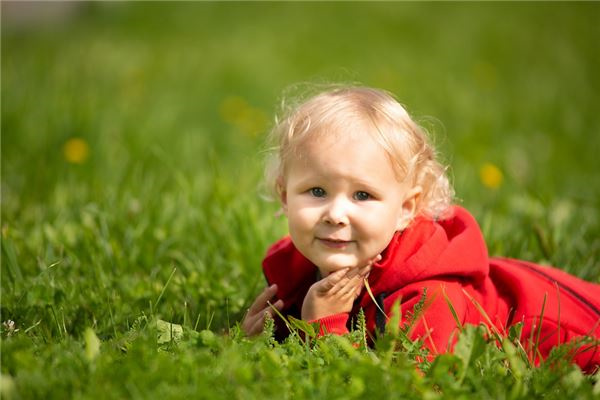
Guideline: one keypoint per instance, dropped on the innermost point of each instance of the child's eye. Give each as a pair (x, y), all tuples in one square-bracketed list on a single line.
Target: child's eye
[(317, 192), (362, 196)]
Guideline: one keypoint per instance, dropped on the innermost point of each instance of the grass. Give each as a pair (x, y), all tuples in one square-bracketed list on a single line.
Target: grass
[(163, 219)]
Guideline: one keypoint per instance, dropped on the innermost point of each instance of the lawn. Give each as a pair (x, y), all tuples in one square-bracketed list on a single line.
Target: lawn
[(133, 217)]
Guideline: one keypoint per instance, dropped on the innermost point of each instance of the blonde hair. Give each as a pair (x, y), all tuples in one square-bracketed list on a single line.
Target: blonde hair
[(363, 110)]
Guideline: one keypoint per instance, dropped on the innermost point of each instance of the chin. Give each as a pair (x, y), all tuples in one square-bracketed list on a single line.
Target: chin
[(331, 265)]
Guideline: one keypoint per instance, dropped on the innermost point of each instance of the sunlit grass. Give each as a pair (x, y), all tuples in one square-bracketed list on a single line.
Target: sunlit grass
[(132, 141)]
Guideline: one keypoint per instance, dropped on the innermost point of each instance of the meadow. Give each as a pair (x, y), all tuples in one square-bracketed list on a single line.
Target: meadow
[(134, 221)]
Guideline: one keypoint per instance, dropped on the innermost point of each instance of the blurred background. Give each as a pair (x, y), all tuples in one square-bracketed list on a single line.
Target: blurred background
[(132, 138)]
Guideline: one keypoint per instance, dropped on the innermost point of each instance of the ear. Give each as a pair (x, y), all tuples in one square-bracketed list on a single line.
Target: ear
[(409, 207), (282, 194)]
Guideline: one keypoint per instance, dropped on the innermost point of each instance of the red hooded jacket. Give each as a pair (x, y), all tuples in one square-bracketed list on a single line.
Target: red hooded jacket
[(448, 260)]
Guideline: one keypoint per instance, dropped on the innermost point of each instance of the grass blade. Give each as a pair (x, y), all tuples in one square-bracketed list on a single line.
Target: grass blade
[(164, 287), (373, 297)]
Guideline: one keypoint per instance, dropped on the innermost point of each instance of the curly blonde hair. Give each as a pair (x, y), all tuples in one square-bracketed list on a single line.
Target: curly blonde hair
[(363, 110)]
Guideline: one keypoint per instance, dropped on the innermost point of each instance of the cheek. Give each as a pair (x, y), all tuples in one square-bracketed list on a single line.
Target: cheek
[(378, 228), (378, 220), (301, 218)]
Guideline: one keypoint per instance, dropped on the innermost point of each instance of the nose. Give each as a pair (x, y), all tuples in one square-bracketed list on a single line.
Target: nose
[(336, 212)]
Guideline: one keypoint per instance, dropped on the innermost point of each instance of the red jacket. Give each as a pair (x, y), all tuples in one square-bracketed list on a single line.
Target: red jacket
[(448, 260)]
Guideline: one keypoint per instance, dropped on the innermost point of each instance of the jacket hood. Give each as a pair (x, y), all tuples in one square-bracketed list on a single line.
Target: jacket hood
[(426, 250)]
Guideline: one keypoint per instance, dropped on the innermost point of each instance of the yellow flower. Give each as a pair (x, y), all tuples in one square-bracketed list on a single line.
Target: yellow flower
[(232, 108), (236, 111), (490, 176), (76, 151)]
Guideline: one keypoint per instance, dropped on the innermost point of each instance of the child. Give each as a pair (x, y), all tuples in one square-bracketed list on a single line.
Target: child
[(365, 198)]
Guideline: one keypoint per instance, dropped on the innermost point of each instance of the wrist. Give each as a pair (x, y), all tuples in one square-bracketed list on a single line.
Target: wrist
[(318, 313)]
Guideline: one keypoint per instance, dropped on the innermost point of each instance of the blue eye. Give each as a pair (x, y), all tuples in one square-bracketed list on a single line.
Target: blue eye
[(317, 192), (362, 196)]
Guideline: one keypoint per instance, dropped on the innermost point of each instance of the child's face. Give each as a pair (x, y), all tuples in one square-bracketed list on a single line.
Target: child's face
[(344, 202)]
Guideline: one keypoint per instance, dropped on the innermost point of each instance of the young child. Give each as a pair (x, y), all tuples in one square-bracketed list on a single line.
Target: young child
[(365, 198)]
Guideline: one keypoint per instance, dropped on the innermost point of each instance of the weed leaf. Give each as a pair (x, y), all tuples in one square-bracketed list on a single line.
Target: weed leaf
[(167, 332), (470, 346), (92, 344)]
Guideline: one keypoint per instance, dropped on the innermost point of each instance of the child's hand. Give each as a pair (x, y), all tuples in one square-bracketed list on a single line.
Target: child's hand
[(255, 317), (336, 293)]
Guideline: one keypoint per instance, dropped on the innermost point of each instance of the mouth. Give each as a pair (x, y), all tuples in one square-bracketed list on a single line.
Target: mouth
[(334, 243)]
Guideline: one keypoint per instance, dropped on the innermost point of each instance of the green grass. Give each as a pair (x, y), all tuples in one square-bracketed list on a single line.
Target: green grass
[(165, 220)]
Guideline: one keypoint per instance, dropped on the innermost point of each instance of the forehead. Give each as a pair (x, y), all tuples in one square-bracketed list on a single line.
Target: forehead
[(354, 156)]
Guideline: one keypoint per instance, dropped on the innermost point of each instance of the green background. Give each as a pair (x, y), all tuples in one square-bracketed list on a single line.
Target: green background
[(175, 101)]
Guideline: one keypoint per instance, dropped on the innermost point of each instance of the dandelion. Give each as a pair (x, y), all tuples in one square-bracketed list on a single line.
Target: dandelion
[(76, 151), (232, 107), (490, 176), (236, 111)]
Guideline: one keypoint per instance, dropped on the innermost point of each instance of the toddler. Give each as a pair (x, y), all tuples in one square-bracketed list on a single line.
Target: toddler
[(366, 199)]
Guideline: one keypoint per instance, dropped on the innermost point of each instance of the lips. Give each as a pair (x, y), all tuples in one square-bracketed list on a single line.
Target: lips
[(334, 243)]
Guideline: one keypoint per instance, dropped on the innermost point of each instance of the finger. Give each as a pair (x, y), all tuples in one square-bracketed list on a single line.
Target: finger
[(350, 296), (337, 275), (248, 324), (278, 305), (356, 287), (331, 280), (359, 271), (261, 299), (256, 318), (342, 282), (339, 286), (251, 317), (346, 285), (359, 290), (363, 282), (269, 308), (350, 287), (258, 325), (255, 321), (364, 271)]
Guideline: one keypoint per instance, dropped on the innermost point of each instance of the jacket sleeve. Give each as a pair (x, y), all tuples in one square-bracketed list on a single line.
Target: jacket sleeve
[(430, 311)]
